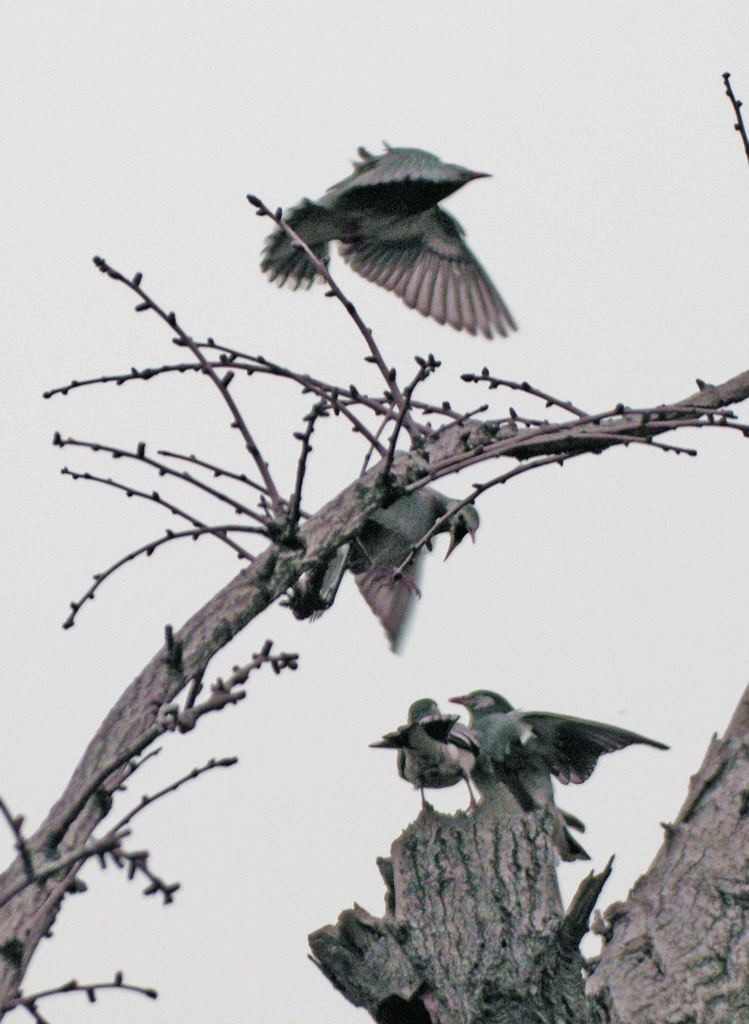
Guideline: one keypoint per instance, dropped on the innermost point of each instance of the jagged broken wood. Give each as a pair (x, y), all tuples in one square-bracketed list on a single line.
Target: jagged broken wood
[(27, 917), (474, 931)]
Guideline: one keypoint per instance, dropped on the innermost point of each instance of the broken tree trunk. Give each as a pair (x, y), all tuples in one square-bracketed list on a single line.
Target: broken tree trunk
[(475, 933)]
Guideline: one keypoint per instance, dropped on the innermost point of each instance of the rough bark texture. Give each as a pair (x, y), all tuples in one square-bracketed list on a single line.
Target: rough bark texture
[(474, 931), (27, 917), (679, 948)]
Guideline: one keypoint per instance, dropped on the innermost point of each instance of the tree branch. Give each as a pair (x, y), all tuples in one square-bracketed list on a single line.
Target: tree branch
[(28, 915), (375, 356), (222, 385), (737, 105)]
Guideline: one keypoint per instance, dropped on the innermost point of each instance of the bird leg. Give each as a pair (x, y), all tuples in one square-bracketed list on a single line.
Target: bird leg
[(474, 801)]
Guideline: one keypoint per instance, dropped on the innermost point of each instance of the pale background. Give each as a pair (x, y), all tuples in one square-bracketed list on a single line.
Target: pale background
[(614, 225)]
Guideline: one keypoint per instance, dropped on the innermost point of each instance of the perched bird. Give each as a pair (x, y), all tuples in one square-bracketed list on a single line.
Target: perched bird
[(522, 749), (434, 750), (393, 232), (384, 543)]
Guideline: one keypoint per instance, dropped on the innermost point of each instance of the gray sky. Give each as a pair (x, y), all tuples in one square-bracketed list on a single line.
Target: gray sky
[(615, 227)]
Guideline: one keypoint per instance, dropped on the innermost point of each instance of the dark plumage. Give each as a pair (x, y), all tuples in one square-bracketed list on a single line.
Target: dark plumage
[(382, 545), (394, 233), (520, 750), (434, 750)]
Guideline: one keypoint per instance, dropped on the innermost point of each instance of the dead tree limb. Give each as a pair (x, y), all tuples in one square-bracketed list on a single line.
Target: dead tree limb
[(474, 931), (27, 917)]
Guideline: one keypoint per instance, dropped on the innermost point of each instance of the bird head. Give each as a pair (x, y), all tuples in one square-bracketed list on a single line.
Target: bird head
[(465, 522), (483, 702), (422, 709)]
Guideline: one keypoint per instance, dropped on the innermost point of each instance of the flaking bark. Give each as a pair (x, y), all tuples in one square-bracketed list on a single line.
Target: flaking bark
[(679, 947), (474, 931), (27, 917)]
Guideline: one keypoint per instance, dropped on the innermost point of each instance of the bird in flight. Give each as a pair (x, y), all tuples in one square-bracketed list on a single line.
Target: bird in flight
[(392, 230)]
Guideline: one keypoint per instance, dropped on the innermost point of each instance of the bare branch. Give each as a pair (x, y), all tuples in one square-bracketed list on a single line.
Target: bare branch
[(96, 848), (217, 471), (737, 105), (16, 825), (146, 801), (375, 441), (425, 368), (29, 1002), (140, 456), (222, 385), (149, 548), (137, 863), (375, 356), (497, 382), (318, 410), (154, 496), (170, 719)]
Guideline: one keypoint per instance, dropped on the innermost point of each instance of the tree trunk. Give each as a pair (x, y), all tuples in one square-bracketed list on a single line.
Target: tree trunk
[(475, 933), (26, 914)]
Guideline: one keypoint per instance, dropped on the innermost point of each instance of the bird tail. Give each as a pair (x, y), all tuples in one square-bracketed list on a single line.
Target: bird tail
[(565, 842), (568, 846), (284, 260), (571, 821)]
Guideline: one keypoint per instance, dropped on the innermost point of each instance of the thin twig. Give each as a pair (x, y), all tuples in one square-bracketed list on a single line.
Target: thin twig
[(370, 451), (388, 373), (650, 421), (496, 382), (200, 528), (737, 105), (222, 385), (339, 398), (217, 471), (140, 456), (137, 863), (93, 849), (172, 718), (90, 990), (149, 548), (377, 404), (146, 801), (425, 368), (16, 825), (318, 410), (478, 489), (134, 766)]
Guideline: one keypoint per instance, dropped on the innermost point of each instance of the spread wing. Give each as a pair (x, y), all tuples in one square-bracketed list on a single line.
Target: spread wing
[(425, 261), (389, 598), (572, 746)]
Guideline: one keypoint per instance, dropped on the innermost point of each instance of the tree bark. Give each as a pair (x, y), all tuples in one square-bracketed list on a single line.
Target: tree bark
[(27, 917), (474, 931), (679, 946)]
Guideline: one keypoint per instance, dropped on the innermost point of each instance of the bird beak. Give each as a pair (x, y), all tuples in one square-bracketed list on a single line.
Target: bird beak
[(459, 700), (454, 543), (480, 174)]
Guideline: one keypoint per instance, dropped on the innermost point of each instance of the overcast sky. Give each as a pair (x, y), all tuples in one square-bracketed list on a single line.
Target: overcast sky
[(615, 227)]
